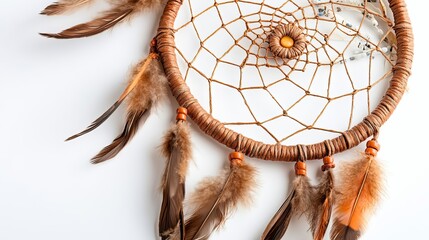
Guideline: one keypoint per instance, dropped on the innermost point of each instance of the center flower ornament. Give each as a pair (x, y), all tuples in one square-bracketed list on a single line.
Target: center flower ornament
[(287, 41)]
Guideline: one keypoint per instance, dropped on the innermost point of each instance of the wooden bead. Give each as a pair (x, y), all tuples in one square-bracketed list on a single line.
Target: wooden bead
[(371, 151), (328, 163), (328, 160), (373, 144), (300, 168), (181, 116), (300, 172), (300, 165), (236, 156), (287, 42), (182, 110)]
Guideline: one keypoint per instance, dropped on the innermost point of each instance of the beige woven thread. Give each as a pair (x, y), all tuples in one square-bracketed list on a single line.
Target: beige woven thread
[(252, 148)]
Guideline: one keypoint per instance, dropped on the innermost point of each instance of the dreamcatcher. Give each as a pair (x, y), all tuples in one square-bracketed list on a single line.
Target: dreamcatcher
[(278, 68)]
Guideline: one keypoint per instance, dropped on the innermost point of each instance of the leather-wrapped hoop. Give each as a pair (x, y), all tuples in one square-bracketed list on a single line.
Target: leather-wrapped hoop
[(277, 152)]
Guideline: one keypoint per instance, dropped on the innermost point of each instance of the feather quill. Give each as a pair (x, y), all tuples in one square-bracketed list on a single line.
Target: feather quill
[(147, 86), (177, 150), (216, 198), (297, 203), (108, 19), (63, 6), (357, 196), (322, 205)]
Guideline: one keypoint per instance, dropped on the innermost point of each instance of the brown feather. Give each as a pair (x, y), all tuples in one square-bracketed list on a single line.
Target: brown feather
[(145, 90), (177, 150), (297, 203), (97, 122), (63, 6), (136, 76), (108, 19), (278, 225), (357, 196), (179, 231), (130, 129), (216, 198), (322, 205)]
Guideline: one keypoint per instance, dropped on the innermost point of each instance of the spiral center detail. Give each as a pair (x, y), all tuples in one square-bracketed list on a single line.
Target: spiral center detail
[(287, 41)]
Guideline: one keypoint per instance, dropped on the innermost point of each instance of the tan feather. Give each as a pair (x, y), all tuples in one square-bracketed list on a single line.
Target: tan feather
[(145, 90), (297, 203), (322, 205), (136, 76), (177, 150), (216, 198), (358, 193), (63, 6), (108, 19)]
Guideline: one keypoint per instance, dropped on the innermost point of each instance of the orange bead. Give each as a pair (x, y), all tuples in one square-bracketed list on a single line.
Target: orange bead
[(300, 165), (328, 160), (373, 144), (300, 172), (300, 168), (236, 155), (287, 42), (181, 116), (371, 151), (182, 110)]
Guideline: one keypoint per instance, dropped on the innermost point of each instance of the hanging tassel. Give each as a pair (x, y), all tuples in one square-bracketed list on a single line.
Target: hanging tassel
[(147, 86), (323, 201), (216, 198), (358, 194), (297, 203), (108, 19), (177, 150), (63, 6)]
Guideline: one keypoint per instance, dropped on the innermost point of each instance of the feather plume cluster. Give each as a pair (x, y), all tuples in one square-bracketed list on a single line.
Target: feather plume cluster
[(358, 194), (215, 198), (121, 10), (147, 86), (298, 203), (177, 150)]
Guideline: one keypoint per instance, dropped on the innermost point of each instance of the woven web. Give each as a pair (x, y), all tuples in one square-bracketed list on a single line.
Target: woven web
[(223, 53)]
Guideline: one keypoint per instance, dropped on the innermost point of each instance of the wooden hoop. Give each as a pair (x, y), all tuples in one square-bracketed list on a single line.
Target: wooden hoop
[(276, 152)]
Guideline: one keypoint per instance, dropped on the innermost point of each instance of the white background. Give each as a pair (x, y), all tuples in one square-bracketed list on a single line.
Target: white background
[(50, 89)]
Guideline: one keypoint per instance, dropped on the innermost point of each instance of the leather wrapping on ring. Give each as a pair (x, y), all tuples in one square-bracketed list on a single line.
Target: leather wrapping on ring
[(276, 152)]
